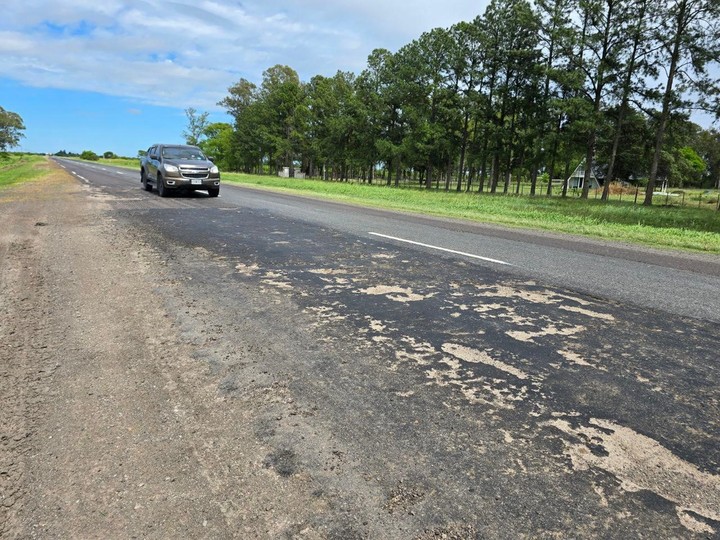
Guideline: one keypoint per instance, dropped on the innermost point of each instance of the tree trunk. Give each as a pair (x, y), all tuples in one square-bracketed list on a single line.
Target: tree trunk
[(483, 168), (495, 173), (508, 172), (624, 102), (665, 115), (589, 156), (463, 149), (553, 155), (565, 179)]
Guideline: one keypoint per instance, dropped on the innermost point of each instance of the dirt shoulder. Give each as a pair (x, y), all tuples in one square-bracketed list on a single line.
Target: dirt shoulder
[(109, 430)]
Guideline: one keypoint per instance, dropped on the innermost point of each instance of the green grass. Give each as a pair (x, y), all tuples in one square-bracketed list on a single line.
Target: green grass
[(686, 228), (128, 163), (17, 168)]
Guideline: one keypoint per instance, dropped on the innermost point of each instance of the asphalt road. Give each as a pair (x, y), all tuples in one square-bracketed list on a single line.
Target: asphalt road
[(448, 377)]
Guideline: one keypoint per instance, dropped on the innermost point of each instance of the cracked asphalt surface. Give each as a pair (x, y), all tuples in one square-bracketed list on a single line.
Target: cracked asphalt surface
[(282, 378)]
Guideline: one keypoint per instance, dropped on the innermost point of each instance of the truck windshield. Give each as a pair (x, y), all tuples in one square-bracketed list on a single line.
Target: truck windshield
[(183, 153)]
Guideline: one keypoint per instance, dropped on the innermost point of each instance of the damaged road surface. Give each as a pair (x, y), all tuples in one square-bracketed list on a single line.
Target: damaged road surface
[(207, 368)]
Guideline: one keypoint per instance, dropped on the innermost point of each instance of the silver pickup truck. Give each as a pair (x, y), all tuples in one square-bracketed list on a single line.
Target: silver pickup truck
[(178, 167)]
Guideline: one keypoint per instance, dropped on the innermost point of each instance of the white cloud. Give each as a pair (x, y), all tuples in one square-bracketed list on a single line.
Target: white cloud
[(184, 53)]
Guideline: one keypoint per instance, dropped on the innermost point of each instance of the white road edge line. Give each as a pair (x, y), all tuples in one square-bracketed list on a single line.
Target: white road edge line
[(80, 177), (496, 261)]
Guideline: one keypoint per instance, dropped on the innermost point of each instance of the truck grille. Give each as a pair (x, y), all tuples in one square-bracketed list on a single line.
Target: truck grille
[(194, 173)]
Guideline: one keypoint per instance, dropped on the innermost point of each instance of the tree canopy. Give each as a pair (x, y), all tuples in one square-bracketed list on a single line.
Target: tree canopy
[(11, 128)]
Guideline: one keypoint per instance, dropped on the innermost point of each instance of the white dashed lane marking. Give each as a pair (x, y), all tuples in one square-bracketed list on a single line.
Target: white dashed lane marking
[(438, 248)]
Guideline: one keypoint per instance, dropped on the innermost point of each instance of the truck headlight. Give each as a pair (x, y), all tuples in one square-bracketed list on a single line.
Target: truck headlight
[(214, 169), (171, 169)]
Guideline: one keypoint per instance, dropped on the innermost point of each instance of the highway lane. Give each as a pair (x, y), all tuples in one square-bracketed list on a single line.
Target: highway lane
[(679, 283), (423, 391)]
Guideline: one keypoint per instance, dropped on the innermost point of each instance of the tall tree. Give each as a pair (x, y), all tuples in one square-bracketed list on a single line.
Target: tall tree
[(383, 91), (556, 38), (248, 145), (11, 128), (466, 64), (604, 31), (514, 29), (197, 122), (430, 102), (688, 38), (284, 110), (633, 66), (334, 121), (218, 144)]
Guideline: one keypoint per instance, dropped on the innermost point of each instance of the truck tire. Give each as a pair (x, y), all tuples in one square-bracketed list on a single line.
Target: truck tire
[(162, 190), (143, 179), (214, 192)]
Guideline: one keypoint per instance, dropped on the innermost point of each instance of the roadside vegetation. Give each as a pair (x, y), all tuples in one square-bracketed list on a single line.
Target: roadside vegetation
[(686, 228), (130, 163), (16, 168), (555, 94)]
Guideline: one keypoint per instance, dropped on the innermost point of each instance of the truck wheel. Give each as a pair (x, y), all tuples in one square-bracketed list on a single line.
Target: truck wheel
[(143, 179), (214, 192), (162, 190)]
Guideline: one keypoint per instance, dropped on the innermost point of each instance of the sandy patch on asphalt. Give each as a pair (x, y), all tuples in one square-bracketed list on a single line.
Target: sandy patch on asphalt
[(325, 313), (588, 313), (396, 294), (328, 271), (420, 353), (386, 256), (377, 326), (448, 371), (551, 330), (277, 280), (481, 357), (575, 358), (641, 463), (502, 291), (247, 269)]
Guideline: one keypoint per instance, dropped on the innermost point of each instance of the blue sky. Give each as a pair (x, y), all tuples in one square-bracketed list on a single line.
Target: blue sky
[(117, 75)]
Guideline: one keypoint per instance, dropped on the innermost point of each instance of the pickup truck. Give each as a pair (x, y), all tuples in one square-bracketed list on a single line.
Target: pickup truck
[(178, 167)]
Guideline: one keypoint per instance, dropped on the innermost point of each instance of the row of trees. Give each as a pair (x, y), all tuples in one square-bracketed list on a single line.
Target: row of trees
[(88, 155), (521, 91)]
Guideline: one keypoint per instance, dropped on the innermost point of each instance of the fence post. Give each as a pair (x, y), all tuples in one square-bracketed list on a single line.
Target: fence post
[(637, 190), (667, 198), (682, 203), (700, 200)]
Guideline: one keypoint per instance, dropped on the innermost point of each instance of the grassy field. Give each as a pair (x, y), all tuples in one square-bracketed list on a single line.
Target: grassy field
[(129, 163), (685, 228), (16, 168)]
